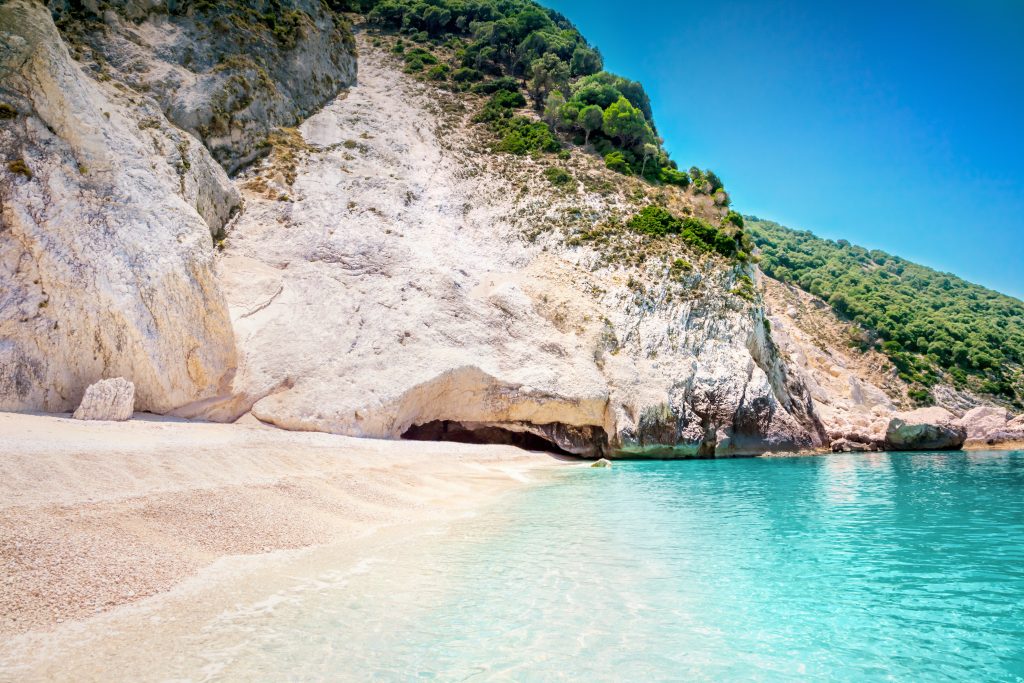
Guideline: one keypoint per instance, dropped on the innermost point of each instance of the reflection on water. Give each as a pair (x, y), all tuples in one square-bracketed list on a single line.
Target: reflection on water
[(847, 567)]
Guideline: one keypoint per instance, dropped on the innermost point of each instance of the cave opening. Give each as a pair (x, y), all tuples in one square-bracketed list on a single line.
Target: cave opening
[(449, 430)]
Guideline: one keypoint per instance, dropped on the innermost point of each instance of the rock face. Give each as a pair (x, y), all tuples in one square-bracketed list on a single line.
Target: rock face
[(849, 446), (108, 399), (228, 73), (855, 394), (401, 288), (109, 196), (106, 261), (991, 426), (925, 429)]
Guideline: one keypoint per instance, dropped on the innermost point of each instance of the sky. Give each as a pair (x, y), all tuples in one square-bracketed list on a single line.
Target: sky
[(896, 125)]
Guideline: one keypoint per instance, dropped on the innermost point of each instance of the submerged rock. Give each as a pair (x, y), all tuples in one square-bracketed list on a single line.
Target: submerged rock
[(925, 429), (108, 399)]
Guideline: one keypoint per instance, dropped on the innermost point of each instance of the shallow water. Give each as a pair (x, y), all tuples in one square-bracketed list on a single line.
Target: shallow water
[(846, 567)]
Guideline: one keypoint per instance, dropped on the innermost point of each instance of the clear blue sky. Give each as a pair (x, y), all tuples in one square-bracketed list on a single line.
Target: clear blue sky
[(896, 125)]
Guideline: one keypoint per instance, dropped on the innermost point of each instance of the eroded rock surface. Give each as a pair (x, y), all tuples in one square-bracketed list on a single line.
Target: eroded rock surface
[(229, 73), (389, 274), (925, 429), (108, 399), (105, 257), (992, 426)]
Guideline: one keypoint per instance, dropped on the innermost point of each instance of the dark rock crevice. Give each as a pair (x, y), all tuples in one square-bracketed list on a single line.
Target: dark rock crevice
[(585, 442)]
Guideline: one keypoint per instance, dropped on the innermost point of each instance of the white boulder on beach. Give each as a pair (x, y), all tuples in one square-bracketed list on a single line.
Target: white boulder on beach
[(108, 399)]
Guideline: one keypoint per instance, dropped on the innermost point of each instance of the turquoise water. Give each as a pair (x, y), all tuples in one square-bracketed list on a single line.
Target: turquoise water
[(856, 567)]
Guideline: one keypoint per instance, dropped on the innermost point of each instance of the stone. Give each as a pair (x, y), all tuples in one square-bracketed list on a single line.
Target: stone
[(603, 462), (390, 293), (925, 429), (229, 87), (983, 421), (106, 254), (108, 399), (848, 446)]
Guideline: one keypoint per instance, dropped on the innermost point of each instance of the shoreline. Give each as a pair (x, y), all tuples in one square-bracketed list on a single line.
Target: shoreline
[(96, 516), (99, 516)]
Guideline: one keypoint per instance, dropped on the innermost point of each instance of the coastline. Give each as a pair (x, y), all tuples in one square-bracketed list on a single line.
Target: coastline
[(96, 516)]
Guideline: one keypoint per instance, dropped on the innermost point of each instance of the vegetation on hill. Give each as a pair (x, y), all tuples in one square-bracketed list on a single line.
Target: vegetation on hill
[(518, 46), (934, 326)]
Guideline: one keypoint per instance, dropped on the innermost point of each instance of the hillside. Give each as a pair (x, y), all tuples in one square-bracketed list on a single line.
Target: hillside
[(458, 227), (935, 327)]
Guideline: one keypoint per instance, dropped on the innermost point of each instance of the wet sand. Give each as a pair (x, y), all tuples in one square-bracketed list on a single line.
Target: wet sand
[(95, 516)]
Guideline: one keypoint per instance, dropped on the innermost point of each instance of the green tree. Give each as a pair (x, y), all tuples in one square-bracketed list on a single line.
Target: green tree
[(553, 107), (626, 123), (591, 118), (585, 61), (547, 74)]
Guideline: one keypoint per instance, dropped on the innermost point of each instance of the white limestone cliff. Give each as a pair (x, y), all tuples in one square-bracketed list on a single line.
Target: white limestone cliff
[(404, 278), (105, 257)]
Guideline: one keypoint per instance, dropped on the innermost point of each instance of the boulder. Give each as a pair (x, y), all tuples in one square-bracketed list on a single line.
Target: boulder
[(850, 446), (925, 429), (983, 421), (108, 399), (603, 462), (1016, 423)]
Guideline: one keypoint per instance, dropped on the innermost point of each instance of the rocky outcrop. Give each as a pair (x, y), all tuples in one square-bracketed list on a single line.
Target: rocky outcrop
[(384, 281), (925, 429), (108, 399), (854, 393), (991, 426), (984, 420), (106, 259), (229, 73)]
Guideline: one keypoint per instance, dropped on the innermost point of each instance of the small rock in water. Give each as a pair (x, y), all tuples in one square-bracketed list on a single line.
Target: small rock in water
[(108, 399), (603, 462)]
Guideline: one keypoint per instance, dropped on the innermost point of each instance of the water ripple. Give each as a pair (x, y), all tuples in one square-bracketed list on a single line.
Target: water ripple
[(860, 567)]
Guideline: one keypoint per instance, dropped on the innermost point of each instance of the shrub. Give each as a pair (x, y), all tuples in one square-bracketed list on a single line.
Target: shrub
[(439, 72), (657, 221), (493, 86), (679, 268), (520, 135), (508, 99), (417, 58), (617, 162), (557, 176), (744, 288), (500, 106), (735, 219), (20, 167), (466, 75), (671, 176), (921, 397)]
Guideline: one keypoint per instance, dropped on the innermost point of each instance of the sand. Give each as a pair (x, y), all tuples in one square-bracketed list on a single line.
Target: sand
[(98, 515)]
